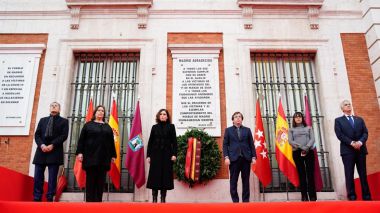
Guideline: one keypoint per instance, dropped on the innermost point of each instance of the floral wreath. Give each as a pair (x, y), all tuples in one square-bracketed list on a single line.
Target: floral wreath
[(210, 157)]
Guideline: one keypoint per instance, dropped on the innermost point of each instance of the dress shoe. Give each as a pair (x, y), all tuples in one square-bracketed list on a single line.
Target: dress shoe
[(313, 199), (367, 198), (352, 198), (305, 198)]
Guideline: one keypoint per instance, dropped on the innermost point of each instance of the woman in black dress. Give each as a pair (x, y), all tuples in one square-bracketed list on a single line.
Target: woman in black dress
[(161, 153), (96, 149)]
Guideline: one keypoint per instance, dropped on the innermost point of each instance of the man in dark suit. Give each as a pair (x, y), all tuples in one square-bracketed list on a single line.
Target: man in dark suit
[(352, 133), (51, 132), (239, 153)]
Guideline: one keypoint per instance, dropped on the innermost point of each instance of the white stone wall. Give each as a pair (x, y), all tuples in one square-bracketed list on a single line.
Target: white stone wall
[(371, 22), (280, 29)]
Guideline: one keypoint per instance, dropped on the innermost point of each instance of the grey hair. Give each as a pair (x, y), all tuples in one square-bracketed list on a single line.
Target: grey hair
[(344, 102)]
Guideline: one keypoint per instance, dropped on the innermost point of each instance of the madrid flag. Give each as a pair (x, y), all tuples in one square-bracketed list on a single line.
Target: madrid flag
[(284, 153), (262, 167), (317, 170), (115, 166), (135, 162)]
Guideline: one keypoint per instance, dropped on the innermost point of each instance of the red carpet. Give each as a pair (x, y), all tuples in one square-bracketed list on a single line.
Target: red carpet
[(374, 186), (278, 207), (15, 186)]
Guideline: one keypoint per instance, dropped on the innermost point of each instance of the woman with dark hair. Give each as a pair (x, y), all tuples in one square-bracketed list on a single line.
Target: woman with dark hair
[(96, 149), (161, 153), (301, 138)]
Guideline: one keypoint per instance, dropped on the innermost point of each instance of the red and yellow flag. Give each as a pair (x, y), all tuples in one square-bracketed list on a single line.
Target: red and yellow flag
[(193, 159), (80, 174), (115, 166), (284, 152)]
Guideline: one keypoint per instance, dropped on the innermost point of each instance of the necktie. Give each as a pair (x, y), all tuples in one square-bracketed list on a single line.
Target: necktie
[(351, 121), (238, 133)]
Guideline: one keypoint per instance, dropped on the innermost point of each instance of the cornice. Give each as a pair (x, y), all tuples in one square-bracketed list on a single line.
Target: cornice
[(108, 3), (141, 6), (284, 3), (312, 7), (22, 48), (129, 13)]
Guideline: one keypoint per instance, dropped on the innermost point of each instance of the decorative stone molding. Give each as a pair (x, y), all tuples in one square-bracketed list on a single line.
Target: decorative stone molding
[(141, 6), (247, 13), (312, 6), (195, 48), (291, 3), (313, 17), (142, 16), (75, 17)]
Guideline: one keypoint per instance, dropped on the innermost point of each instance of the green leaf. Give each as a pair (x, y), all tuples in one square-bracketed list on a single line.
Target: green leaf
[(210, 156)]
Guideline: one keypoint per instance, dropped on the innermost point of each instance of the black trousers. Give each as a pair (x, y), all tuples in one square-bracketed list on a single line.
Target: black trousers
[(39, 179), (305, 168), (95, 179), (242, 166), (349, 162)]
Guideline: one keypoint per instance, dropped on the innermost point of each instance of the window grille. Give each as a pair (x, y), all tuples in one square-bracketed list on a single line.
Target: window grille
[(292, 75), (102, 76)]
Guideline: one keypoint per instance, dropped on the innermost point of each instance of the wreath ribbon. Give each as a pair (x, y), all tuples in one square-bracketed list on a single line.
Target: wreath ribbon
[(193, 159)]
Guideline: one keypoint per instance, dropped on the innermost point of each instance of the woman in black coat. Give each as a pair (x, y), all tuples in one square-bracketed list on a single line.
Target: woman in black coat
[(96, 149), (162, 152)]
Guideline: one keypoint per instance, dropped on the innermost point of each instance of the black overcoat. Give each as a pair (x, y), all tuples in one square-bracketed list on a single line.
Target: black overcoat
[(162, 146), (96, 143), (60, 133)]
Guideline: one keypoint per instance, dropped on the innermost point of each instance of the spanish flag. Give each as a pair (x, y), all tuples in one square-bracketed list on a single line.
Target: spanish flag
[(80, 174), (284, 152), (114, 173)]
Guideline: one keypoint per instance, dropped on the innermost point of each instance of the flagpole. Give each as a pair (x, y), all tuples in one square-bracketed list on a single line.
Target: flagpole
[(287, 186), (262, 97), (263, 193), (134, 190), (287, 190), (108, 189), (113, 95), (134, 195)]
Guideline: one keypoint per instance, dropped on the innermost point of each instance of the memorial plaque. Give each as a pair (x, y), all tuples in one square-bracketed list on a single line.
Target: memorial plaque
[(15, 80), (18, 76), (196, 100)]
